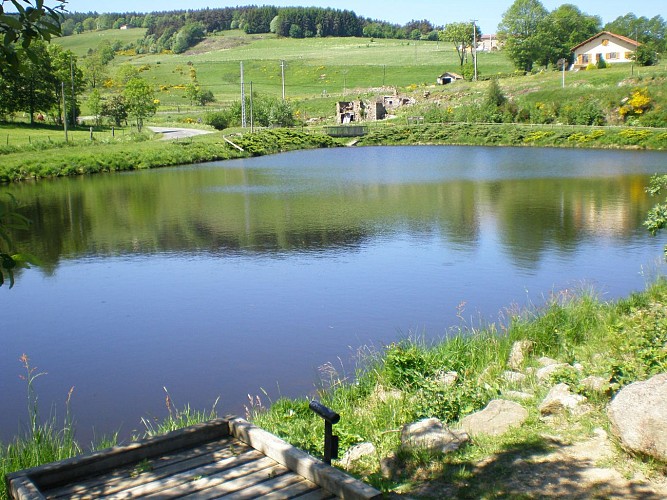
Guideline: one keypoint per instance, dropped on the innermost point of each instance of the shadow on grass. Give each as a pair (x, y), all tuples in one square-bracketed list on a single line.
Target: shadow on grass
[(534, 469)]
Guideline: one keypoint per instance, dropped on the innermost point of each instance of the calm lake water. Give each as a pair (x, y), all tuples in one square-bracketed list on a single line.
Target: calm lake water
[(226, 278)]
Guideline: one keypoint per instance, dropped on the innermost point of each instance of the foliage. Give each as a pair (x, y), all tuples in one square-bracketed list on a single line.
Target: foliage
[(656, 219), (494, 95), (562, 29), (519, 28), (637, 104), (461, 35), (34, 21), (645, 55), (220, 120), (140, 100), (651, 33), (11, 220), (115, 109)]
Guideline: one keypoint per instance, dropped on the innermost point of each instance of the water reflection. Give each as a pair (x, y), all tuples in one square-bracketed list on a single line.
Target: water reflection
[(224, 278), (218, 208)]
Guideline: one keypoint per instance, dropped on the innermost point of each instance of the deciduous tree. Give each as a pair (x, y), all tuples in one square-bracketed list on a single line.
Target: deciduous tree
[(461, 35), (519, 29), (140, 100)]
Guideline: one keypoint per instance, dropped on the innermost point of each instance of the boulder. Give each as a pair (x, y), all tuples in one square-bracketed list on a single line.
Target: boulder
[(497, 418), (514, 377), (520, 350), (544, 361), (357, 452), (432, 435), (638, 415), (548, 370), (560, 399), (596, 384)]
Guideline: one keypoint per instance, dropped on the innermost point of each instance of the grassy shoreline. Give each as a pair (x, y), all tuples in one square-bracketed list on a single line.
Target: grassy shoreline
[(621, 341), (139, 152)]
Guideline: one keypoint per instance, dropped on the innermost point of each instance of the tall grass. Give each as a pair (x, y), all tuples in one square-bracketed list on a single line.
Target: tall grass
[(410, 380)]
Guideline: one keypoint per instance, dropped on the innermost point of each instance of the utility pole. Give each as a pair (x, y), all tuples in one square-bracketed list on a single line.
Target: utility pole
[(71, 76), (252, 124), (282, 73), (62, 89), (243, 121), (474, 46)]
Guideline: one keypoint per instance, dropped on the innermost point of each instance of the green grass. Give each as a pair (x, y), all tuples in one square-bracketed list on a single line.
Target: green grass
[(338, 66), (622, 341), (80, 43)]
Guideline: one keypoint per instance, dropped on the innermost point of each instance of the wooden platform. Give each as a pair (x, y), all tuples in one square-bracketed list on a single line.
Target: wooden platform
[(222, 458)]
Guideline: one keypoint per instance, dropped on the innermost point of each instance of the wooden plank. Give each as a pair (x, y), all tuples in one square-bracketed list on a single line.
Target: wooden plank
[(165, 477), (318, 495), (23, 488), (293, 487), (222, 484), (131, 475), (65, 471), (232, 467), (329, 478), (287, 486)]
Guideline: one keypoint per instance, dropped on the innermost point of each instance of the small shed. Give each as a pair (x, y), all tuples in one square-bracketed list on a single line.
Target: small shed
[(448, 77)]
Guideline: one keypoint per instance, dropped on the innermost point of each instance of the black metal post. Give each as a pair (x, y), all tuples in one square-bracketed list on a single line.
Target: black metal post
[(330, 418)]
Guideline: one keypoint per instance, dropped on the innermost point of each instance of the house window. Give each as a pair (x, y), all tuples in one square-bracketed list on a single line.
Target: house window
[(605, 42), (612, 55), (584, 58)]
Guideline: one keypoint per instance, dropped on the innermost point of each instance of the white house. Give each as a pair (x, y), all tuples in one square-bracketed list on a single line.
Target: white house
[(605, 45), (488, 43)]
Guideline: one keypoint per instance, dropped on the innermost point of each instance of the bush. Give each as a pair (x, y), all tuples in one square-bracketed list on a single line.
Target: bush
[(219, 120)]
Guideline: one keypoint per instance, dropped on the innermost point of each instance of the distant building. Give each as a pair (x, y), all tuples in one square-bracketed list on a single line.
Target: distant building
[(123, 27), (448, 77), (605, 45), (488, 43)]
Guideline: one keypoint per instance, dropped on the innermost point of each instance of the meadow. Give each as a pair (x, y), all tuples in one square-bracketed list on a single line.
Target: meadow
[(313, 67)]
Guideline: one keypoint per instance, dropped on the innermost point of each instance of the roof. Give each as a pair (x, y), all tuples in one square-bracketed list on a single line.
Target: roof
[(608, 33), (451, 74)]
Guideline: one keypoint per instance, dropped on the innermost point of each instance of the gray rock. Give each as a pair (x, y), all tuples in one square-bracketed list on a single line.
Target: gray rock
[(520, 350), (596, 384), (544, 361), (432, 435), (357, 452), (523, 396), (548, 370), (638, 415), (514, 377), (497, 418), (560, 399), (447, 379)]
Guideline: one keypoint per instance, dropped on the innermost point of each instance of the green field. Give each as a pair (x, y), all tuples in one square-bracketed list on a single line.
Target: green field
[(313, 67)]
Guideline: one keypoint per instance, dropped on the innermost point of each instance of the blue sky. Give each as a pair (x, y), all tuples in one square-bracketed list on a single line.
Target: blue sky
[(487, 12)]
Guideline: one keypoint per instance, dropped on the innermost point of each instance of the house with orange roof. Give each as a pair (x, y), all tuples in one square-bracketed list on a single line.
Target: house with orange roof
[(605, 45)]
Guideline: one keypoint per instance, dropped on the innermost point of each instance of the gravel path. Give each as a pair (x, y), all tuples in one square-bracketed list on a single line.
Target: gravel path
[(169, 133)]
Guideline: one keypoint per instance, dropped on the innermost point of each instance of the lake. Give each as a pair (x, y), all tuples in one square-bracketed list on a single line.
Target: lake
[(245, 277)]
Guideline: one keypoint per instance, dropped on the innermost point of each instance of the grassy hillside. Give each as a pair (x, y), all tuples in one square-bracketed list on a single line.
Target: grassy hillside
[(313, 67)]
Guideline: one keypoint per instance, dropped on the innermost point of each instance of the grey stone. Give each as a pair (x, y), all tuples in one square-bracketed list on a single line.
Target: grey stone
[(357, 452), (523, 396), (447, 379), (638, 415), (520, 349), (560, 399), (497, 418), (544, 361), (432, 435), (514, 377), (596, 384), (548, 370)]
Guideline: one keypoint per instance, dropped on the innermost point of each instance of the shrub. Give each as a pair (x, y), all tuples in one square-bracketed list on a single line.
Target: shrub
[(219, 120)]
